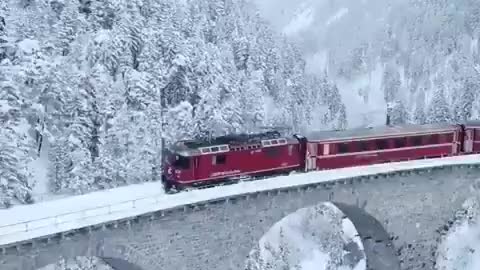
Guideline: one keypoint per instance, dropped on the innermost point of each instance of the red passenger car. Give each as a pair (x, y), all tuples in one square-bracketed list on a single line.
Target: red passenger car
[(471, 137), (233, 157), (364, 146)]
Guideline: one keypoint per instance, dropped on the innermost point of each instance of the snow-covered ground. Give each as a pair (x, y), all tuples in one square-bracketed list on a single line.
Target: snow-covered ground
[(79, 263), (31, 221), (39, 168), (460, 249), (313, 238)]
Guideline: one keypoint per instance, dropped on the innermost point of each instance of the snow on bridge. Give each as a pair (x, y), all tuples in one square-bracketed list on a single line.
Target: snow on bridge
[(22, 223)]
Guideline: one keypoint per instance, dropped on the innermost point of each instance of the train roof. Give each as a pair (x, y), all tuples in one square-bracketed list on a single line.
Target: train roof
[(232, 139), (225, 143), (473, 123), (379, 131)]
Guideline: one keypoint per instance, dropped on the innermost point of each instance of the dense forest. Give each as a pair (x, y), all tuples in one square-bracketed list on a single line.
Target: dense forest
[(98, 84), (420, 58), (94, 87)]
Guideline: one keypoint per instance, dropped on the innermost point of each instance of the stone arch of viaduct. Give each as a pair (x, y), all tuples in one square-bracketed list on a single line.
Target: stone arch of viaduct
[(411, 206)]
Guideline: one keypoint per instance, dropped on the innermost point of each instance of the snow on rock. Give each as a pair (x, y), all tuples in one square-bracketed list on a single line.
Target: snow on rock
[(460, 248), (29, 45), (4, 106), (79, 263), (102, 36), (350, 234), (301, 21), (312, 238), (337, 16)]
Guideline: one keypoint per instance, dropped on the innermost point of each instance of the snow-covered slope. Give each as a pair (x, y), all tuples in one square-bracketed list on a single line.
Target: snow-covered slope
[(321, 28), (422, 54), (106, 92), (460, 248)]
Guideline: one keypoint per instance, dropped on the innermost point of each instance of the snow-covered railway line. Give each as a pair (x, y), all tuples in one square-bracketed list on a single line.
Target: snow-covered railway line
[(21, 224)]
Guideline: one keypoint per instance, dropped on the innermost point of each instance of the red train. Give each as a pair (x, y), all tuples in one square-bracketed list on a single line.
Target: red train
[(223, 159)]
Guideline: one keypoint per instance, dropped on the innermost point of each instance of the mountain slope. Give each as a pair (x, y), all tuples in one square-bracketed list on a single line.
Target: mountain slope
[(414, 54), (95, 87)]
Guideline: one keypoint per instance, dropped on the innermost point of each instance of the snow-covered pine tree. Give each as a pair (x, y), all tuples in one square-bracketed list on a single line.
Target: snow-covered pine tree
[(179, 121), (68, 26), (99, 64), (177, 86), (208, 116), (336, 112), (81, 138), (391, 83), (5, 40), (419, 115), (467, 88), (252, 102), (398, 113), (463, 106), (15, 155), (16, 145), (438, 109)]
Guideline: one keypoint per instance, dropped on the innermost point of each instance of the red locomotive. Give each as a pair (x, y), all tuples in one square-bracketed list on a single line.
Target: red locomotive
[(234, 157)]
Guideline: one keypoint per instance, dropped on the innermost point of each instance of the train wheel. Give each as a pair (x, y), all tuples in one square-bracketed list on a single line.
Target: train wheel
[(172, 190), (169, 187)]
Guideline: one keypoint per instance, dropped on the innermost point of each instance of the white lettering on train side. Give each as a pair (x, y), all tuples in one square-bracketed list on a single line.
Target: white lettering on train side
[(225, 173)]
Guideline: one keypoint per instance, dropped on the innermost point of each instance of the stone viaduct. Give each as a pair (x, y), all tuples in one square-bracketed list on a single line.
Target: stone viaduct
[(412, 208)]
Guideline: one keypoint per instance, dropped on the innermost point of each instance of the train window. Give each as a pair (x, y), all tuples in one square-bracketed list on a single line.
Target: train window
[(416, 141), (433, 139), (445, 138), (219, 159), (363, 146), (400, 142), (342, 148), (325, 150), (181, 162), (477, 134), (381, 144)]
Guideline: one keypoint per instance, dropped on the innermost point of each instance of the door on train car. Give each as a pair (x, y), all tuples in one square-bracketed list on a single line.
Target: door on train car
[(456, 142), (468, 140), (311, 157)]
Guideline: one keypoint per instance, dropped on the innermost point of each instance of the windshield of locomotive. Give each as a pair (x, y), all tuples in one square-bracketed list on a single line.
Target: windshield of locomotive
[(239, 134)]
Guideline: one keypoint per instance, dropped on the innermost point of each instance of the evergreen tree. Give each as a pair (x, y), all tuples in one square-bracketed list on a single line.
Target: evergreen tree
[(399, 114), (104, 82), (438, 110), (419, 116), (463, 107)]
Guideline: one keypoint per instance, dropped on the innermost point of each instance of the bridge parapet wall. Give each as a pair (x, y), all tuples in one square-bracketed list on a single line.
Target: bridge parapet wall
[(410, 203), (15, 233)]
